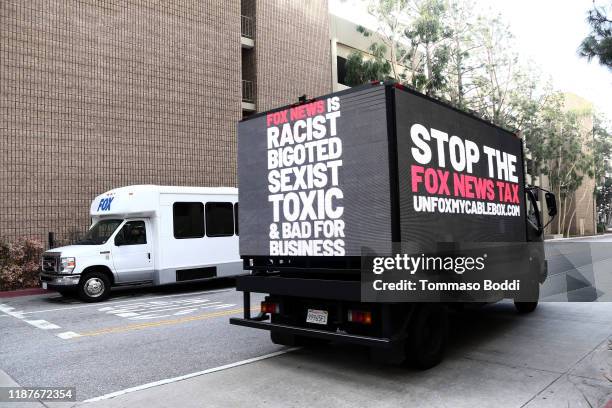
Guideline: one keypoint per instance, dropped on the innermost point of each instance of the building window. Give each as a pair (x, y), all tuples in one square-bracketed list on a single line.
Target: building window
[(341, 66), (219, 219), (236, 218), (188, 220)]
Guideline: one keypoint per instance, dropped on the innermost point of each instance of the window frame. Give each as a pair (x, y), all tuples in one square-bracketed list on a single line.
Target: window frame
[(121, 232), (206, 211), (236, 229), (201, 205)]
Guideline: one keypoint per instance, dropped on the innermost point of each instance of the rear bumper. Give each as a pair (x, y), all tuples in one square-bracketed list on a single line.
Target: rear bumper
[(330, 290), (320, 334)]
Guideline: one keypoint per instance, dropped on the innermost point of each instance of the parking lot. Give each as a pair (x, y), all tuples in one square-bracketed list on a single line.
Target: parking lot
[(173, 346)]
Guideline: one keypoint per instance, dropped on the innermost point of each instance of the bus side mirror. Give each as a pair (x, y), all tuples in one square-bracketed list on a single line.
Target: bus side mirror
[(551, 203)]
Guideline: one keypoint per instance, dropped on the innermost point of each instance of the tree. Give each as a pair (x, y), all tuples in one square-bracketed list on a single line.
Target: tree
[(602, 160), (603, 198), (599, 42), (493, 83), (462, 46), (428, 35), (360, 71), (414, 36), (559, 151), (392, 17)]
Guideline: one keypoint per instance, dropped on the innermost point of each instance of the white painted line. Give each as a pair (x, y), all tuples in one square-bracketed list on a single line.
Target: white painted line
[(68, 335), (5, 308), (10, 311), (186, 376), (43, 324), (139, 299), (127, 314)]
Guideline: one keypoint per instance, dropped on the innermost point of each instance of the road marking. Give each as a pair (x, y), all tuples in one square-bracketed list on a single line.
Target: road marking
[(138, 299), (68, 335), (186, 376), (9, 311), (42, 324), (139, 326), (158, 309), (128, 314)]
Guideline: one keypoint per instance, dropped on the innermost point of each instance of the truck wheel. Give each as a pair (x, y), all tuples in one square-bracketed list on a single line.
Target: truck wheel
[(94, 287), (427, 336), (527, 301)]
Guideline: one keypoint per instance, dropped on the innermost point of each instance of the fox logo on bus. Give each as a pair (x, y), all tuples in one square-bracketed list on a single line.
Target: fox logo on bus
[(105, 204)]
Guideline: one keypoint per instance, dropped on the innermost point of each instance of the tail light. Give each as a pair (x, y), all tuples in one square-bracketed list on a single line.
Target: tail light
[(359, 316), (270, 307)]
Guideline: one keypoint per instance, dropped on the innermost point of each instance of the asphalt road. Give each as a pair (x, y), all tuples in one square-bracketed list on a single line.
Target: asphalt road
[(136, 337), (148, 335)]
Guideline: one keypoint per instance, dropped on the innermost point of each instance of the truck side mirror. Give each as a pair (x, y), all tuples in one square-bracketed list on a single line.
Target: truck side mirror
[(551, 203)]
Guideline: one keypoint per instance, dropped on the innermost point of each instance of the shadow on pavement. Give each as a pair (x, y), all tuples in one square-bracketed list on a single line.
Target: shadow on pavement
[(470, 329), (149, 290)]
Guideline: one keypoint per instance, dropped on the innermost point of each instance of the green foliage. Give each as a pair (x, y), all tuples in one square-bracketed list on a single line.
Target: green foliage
[(360, 71), (598, 44), (428, 34), (602, 160)]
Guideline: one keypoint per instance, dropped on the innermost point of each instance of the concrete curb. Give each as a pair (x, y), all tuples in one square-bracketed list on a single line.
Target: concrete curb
[(22, 292), (585, 237)]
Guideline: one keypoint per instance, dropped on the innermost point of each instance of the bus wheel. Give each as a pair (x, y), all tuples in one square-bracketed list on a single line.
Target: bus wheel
[(94, 287)]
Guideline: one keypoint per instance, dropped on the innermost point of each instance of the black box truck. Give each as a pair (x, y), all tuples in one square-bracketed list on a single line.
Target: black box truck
[(328, 183)]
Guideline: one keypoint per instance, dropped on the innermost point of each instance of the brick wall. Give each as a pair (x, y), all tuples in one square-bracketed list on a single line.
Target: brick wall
[(99, 94), (292, 51)]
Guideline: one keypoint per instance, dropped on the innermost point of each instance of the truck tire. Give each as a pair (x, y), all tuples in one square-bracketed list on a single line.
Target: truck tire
[(427, 336), (525, 302), (94, 287)]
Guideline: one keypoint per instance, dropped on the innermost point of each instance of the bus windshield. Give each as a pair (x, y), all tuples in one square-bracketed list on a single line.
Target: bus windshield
[(99, 233)]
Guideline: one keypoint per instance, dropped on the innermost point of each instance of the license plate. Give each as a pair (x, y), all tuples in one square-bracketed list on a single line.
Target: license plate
[(44, 285), (316, 316)]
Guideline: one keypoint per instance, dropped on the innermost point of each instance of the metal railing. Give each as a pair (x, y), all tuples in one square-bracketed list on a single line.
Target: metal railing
[(248, 91), (247, 27)]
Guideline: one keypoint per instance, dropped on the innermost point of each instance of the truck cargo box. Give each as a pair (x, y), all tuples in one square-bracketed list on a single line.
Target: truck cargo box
[(337, 189), (370, 166)]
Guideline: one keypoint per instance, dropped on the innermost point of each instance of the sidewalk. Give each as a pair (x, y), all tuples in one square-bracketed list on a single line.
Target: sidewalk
[(605, 237)]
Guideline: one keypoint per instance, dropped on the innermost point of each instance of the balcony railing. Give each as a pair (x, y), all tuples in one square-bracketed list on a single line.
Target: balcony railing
[(248, 91), (247, 27)]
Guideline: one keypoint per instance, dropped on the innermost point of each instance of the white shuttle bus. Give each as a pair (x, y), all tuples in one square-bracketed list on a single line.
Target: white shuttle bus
[(149, 234)]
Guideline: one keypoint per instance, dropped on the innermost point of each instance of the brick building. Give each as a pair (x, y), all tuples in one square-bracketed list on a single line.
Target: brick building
[(97, 94)]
